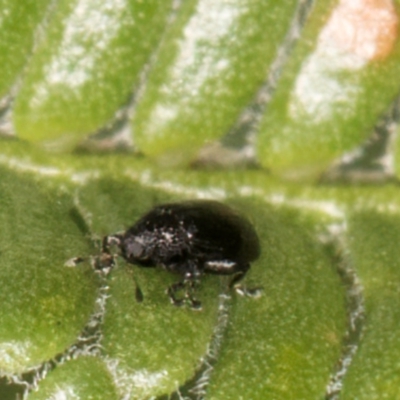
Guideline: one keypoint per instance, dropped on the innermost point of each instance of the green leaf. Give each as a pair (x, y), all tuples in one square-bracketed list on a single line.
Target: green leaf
[(185, 75), (44, 304), (132, 331), (339, 80), (283, 345), (153, 345), (86, 378), (87, 65), (374, 252), (16, 38), (209, 68)]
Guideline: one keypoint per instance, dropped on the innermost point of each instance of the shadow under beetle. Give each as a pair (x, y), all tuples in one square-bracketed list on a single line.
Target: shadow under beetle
[(189, 238)]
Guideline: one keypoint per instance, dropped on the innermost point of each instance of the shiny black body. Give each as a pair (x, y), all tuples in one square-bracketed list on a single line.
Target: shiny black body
[(190, 238)]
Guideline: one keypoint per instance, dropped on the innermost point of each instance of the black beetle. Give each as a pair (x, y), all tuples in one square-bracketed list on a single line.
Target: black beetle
[(189, 238)]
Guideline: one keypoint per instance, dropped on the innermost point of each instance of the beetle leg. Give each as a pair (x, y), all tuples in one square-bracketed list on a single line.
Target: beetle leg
[(105, 262), (110, 240), (239, 275), (254, 292), (171, 291), (191, 285), (241, 289), (192, 281), (188, 285)]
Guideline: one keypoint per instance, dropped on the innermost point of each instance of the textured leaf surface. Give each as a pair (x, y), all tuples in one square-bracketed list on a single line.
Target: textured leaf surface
[(86, 378), (133, 330), (188, 70), (374, 373), (17, 37), (44, 304), (283, 345), (338, 82), (209, 68), (87, 65)]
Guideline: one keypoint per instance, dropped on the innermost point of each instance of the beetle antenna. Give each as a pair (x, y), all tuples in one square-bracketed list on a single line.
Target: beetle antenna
[(74, 261), (110, 240), (138, 291)]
